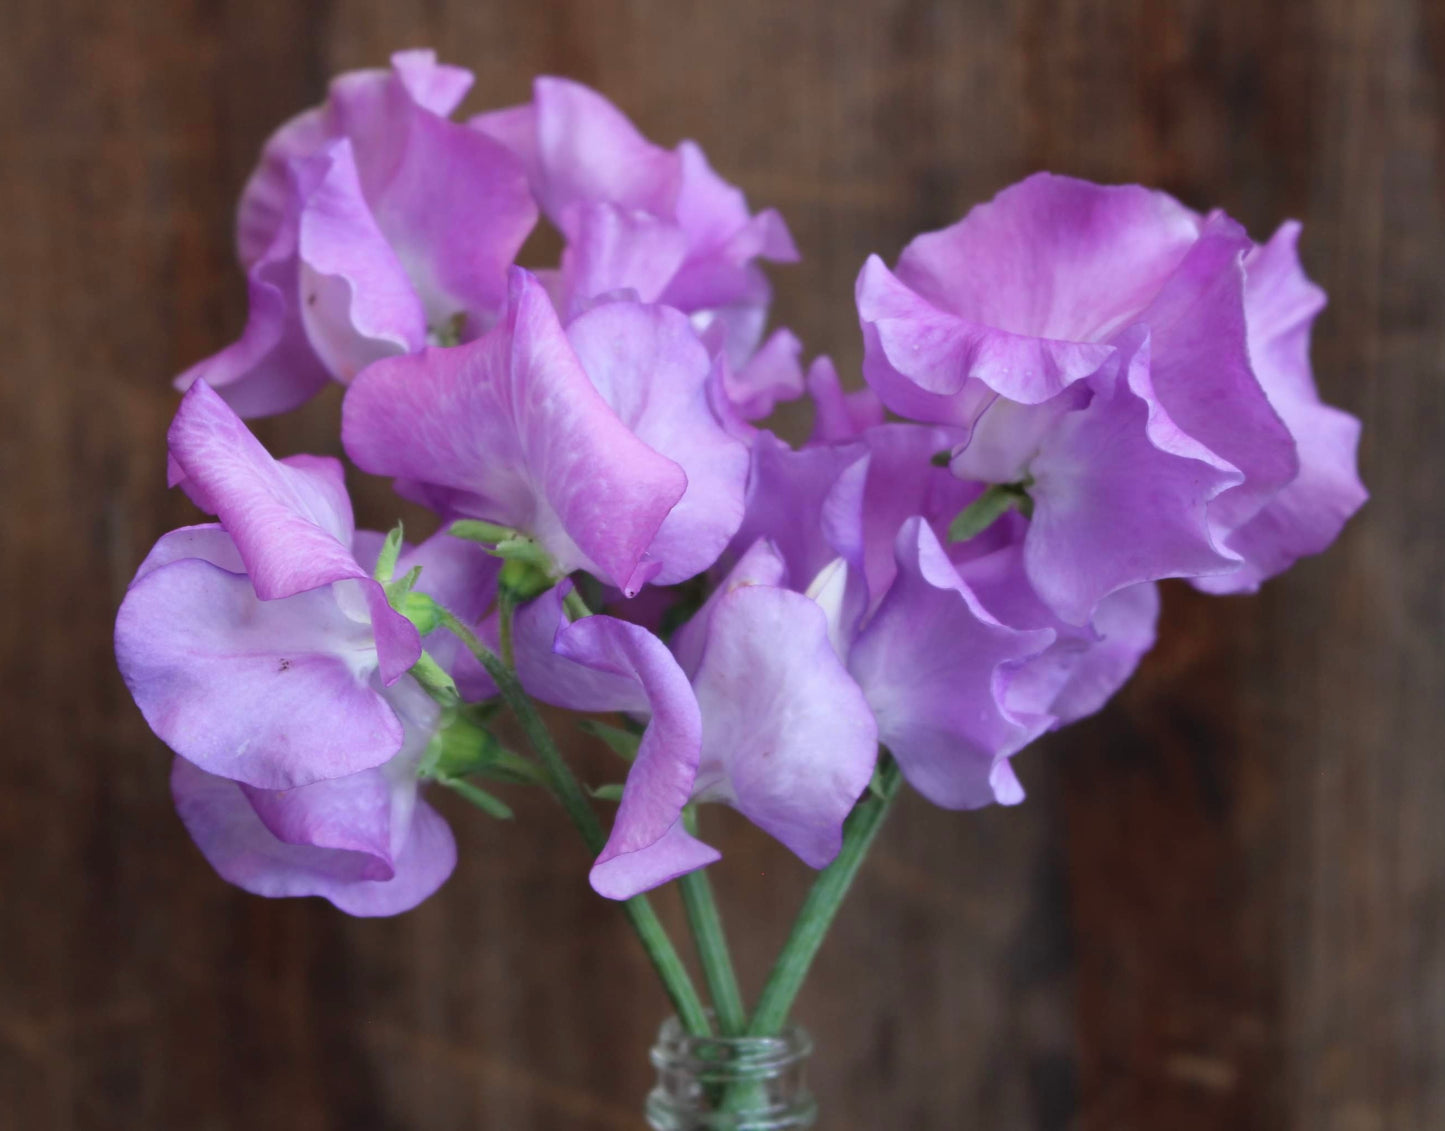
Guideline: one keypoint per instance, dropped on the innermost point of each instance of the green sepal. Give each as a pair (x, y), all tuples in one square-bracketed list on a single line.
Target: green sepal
[(488, 803), (524, 577), (434, 680), (390, 551), (988, 508), (612, 791), (621, 742), (418, 608)]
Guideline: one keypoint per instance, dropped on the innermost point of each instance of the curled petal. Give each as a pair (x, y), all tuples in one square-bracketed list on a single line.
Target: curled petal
[(936, 668), (839, 416)]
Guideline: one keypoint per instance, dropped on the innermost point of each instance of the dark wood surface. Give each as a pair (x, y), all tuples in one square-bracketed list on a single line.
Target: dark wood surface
[(1221, 906)]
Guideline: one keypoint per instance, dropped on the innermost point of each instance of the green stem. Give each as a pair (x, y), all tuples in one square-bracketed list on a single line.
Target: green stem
[(821, 906), (575, 606), (506, 622), (712, 947), (568, 791)]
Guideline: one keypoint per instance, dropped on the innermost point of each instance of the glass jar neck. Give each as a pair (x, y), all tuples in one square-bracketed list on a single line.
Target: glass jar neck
[(730, 1083)]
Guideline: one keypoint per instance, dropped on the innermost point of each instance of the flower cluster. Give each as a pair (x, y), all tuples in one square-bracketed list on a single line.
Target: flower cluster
[(1071, 394)]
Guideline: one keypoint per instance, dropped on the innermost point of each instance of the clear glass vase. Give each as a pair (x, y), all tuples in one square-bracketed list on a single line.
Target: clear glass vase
[(730, 1083)]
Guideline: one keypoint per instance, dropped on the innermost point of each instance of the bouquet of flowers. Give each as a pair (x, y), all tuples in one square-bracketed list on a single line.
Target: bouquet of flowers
[(1073, 392)]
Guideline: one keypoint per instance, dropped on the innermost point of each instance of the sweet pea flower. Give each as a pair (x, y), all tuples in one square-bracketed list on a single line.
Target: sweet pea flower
[(257, 648), (367, 842), (598, 441), (658, 224), (758, 713), (961, 661), (1105, 353), (371, 223)]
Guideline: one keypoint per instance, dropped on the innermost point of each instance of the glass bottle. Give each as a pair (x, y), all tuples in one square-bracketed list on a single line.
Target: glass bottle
[(730, 1083)]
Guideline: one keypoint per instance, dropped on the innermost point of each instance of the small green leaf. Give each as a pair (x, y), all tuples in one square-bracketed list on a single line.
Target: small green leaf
[(418, 608), (987, 509), (488, 803), (622, 743), (390, 550), (610, 792)]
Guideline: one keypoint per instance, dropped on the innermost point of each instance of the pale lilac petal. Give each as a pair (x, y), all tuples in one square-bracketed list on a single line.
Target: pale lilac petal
[(1202, 377), (935, 667), (650, 368), (788, 738), (514, 429), (273, 693), (615, 250), (357, 303), (839, 416), (1121, 496), (932, 365), (1307, 514), (771, 375), (760, 564), (291, 520), (206, 541), (1053, 258), (433, 86), (244, 852), (554, 677), (268, 198)]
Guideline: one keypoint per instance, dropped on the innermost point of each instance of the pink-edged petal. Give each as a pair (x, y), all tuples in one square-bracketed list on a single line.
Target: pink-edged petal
[(930, 364), (273, 693), (839, 416), (651, 369), (245, 852), (771, 375), (1121, 495), (553, 677), (357, 304), (936, 667), (616, 250), (514, 428), (1053, 258), (788, 738), (1202, 376)]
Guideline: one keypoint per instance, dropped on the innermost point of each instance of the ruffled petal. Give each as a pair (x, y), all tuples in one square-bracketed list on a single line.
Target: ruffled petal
[(1307, 514), (771, 375), (936, 668)]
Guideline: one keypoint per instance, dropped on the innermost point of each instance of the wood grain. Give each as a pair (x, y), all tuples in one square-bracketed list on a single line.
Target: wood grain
[(1222, 904)]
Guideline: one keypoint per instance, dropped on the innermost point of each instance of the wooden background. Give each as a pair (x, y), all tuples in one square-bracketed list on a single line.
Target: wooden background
[(1223, 905)]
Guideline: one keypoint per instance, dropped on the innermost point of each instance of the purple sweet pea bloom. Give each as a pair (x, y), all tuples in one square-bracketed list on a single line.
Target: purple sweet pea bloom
[(258, 648), (638, 218), (1105, 350), (767, 721), (366, 841), (369, 219), (599, 441)]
